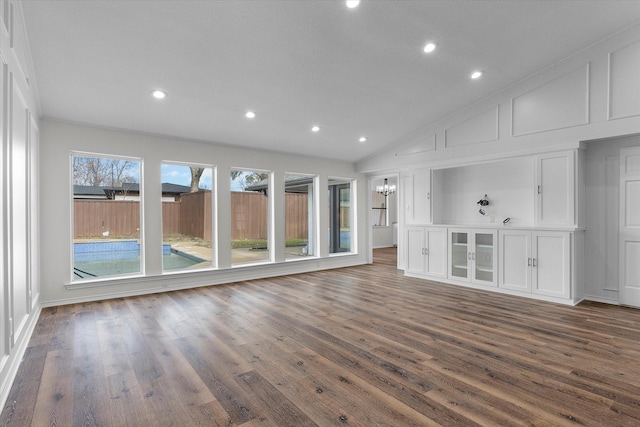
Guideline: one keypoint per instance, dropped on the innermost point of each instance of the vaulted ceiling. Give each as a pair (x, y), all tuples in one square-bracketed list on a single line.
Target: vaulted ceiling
[(352, 72)]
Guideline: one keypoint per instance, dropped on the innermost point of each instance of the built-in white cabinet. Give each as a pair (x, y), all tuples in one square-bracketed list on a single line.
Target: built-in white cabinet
[(426, 251), (472, 255), (555, 189), (536, 262), (417, 197), (536, 253)]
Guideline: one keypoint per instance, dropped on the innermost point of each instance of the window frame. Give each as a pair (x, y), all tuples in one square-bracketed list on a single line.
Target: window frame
[(73, 280), (333, 219), (269, 213), (313, 225), (213, 218)]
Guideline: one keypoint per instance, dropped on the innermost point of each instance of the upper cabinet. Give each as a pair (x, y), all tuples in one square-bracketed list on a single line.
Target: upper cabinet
[(555, 189), (417, 197), (541, 190)]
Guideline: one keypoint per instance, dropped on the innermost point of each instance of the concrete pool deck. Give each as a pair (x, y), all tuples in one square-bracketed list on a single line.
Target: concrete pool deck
[(189, 247)]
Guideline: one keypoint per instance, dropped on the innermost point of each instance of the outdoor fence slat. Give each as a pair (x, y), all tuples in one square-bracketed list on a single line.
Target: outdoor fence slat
[(190, 216)]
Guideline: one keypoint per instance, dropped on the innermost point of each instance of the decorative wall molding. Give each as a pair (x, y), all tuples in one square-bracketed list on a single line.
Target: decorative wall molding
[(624, 82), (4, 16), (560, 103), (477, 129), (427, 143), (19, 211)]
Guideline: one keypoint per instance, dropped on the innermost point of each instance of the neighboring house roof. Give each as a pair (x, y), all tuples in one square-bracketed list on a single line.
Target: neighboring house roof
[(88, 190), (95, 191), (167, 187), (292, 184)]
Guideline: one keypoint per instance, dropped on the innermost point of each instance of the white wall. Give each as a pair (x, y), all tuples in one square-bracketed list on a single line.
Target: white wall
[(508, 185), (61, 138), (19, 232)]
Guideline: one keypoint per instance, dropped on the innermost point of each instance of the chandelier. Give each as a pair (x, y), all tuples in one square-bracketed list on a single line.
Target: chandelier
[(386, 189)]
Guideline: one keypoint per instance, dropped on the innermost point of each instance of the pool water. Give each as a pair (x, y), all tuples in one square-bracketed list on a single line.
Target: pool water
[(99, 259)]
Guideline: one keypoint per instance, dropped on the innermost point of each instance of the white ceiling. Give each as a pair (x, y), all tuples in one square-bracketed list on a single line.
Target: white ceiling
[(296, 63)]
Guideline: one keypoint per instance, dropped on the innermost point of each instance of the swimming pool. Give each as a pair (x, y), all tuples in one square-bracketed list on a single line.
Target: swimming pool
[(99, 259)]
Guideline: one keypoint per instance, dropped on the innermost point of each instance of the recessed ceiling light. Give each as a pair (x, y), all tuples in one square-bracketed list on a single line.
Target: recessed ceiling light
[(363, 139), (315, 129), (430, 47), (352, 3), (159, 94), (250, 115), (476, 75)]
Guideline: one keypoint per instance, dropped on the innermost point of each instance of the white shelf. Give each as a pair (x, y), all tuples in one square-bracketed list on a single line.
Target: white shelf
[(461, 267), (490, 247)]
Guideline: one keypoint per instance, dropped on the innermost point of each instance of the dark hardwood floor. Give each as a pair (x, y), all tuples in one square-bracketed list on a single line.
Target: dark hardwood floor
[(360, 346)]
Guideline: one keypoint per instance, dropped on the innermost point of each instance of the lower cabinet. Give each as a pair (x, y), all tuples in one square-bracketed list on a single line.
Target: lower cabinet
[(539, 263), (426, 251), (473, 256), (536, 262)]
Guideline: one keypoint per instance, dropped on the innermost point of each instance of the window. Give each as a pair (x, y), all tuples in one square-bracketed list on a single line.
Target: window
[(299, 216), (340, 236), (186, 217), (249, 216), (106, 216)]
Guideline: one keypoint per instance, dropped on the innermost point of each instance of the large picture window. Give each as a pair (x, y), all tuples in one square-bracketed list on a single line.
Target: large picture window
[(186, 217), (299, 216), (340, 216), (250, 191), (106, 216)]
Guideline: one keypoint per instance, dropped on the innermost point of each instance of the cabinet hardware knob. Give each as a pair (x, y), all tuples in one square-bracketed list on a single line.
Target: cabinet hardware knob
[(539, 189), (528, 262), (534, 262)]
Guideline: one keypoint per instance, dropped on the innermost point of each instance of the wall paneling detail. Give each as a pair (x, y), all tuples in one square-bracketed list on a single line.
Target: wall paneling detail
[(19, 278), (624, 82), (427, 143), (477, 129), (19, 209), (560, 103), (4, 16), (4, 292)]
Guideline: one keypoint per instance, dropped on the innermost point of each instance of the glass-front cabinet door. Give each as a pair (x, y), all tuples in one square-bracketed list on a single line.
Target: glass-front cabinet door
[(483, 257), (473, 256), (460, 255)]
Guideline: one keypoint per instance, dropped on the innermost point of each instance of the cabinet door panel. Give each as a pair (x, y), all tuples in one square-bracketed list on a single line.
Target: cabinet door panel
[(552, 264), (419, 193), (460, 255), (515, 257), (555, 180), (415, 245), (437, 246), (484, 257)]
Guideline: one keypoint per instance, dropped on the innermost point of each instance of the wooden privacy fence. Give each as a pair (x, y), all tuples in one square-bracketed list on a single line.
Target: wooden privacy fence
[(249, 216), (118, 218), (190, 217)]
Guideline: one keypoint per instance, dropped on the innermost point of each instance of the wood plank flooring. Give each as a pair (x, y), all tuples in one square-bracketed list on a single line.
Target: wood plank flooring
[(359, 346)]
